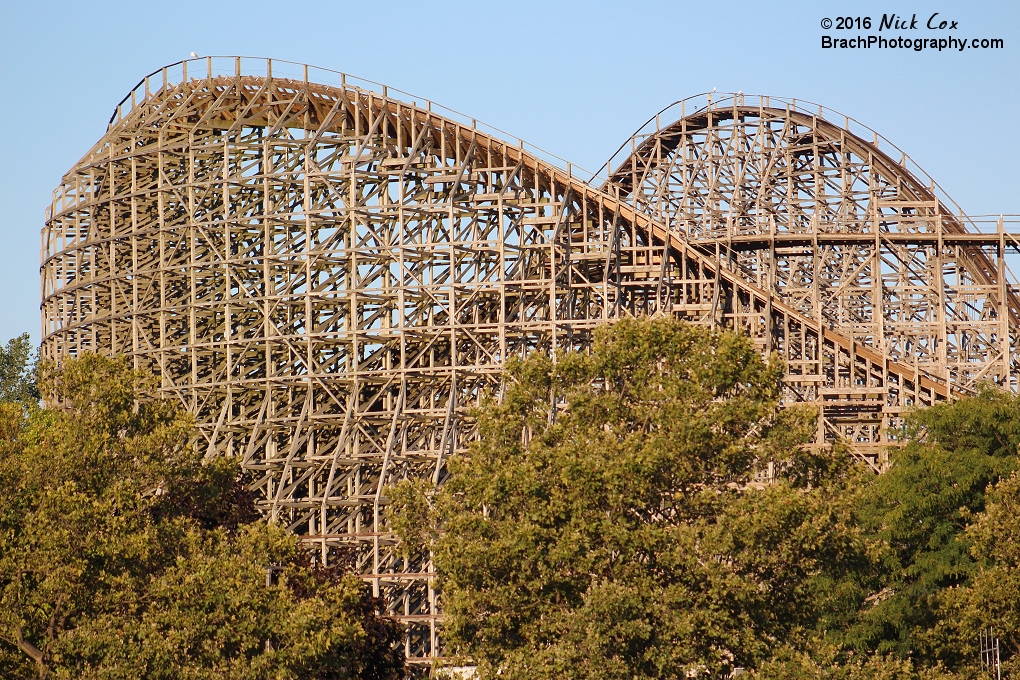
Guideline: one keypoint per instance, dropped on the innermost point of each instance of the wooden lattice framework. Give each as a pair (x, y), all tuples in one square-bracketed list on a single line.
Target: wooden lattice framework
[(329, 276), (838, 223)]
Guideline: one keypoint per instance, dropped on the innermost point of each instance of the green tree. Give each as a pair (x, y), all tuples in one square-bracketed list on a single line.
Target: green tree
[(826, 662), (991, 597), (916, 516), (607, 523), (17, 371), (123, 554)]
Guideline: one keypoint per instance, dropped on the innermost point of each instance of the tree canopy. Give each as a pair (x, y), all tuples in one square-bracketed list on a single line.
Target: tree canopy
[(943, 539), (644, 509), (601, 528), (124, 554), (17, 371), (917, 514), (613, 521)]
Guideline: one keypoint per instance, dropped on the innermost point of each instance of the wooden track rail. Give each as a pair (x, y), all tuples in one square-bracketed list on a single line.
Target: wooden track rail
[(830, 220), (330, 277)]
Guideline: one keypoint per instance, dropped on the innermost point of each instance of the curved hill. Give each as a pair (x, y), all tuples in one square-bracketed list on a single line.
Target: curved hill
[(329, 276)]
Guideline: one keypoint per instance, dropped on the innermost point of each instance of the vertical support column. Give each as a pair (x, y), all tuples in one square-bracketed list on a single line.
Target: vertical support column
[(192, 274), (1003, 307), (940, 283), (136, 279)]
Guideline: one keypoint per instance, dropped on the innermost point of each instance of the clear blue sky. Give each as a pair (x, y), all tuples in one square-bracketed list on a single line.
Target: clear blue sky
[(575, 78)]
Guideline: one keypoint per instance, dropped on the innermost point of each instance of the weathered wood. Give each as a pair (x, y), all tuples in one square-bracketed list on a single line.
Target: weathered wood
[(329, 278)]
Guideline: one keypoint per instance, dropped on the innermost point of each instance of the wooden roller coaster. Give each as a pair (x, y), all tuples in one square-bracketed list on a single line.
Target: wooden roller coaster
[(329, 273)]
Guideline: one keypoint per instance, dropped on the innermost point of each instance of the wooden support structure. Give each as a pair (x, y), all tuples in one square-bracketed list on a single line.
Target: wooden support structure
[(833, 220), (329, 276)]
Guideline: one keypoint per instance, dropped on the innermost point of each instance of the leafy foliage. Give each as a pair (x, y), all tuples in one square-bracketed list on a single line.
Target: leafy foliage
[(990, 599), (917, 514), (603, 526), (17, 371), (607, 524), (943, 559), (123, 554), (825, 662)]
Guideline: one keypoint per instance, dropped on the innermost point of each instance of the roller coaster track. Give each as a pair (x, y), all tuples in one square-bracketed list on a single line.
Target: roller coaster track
[(889, 207), (329, 276)]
